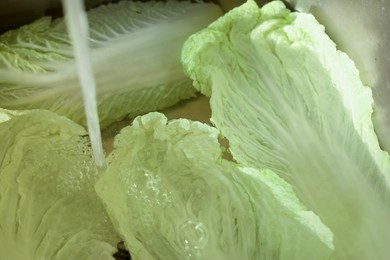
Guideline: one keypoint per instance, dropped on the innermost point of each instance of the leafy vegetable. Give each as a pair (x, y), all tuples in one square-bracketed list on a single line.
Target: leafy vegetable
[(135, 55), (171, 196), (48, 206), (288, 101)]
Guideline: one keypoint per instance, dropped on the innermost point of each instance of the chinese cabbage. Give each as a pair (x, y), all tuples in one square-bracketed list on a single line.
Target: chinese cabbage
[(135, 49), (48, 205), (289, 101), (171, 196)]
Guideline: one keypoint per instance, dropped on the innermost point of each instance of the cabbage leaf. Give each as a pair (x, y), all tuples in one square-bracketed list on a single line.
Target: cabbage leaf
[(287, 100), (171, 196), (48, 206), (135, 55)]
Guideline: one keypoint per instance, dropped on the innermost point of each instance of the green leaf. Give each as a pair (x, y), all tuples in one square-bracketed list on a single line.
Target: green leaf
[(48, 206), (289, 101), (135, 55), (170, 195)]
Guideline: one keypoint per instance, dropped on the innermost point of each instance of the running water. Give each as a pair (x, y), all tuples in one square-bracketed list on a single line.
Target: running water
[(77, 24)]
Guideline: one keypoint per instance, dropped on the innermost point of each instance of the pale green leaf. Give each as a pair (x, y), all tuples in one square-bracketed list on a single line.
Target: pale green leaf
[(135, 55), (171, 196), (289, 101), (48, 206)]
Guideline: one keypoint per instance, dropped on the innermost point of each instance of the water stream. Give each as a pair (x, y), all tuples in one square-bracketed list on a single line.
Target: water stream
[(77, 24)]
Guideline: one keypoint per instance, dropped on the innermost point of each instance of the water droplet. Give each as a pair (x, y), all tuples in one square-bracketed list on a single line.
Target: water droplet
[(193, 236)]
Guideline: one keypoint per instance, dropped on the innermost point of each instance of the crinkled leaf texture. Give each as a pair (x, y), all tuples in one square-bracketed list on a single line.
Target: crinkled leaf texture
[(171, 196), (48, 206), (288, 101), (135, 55)]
